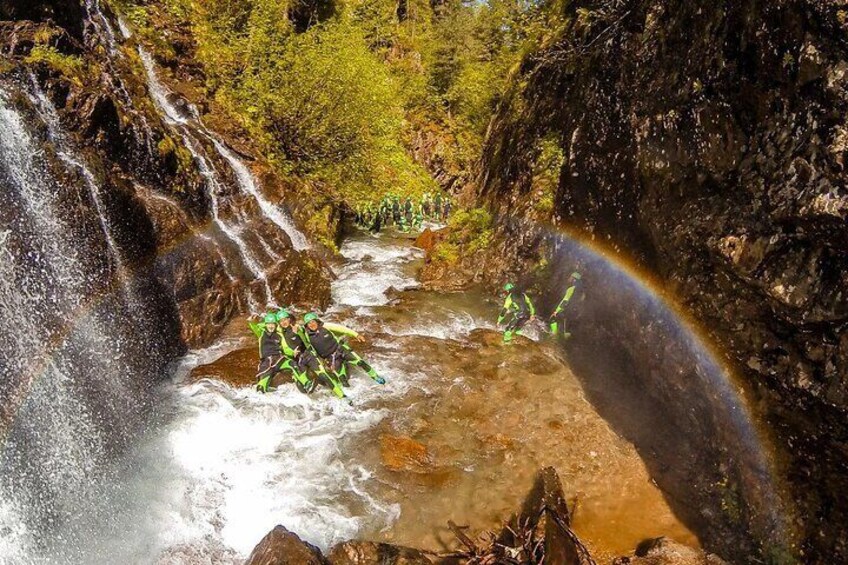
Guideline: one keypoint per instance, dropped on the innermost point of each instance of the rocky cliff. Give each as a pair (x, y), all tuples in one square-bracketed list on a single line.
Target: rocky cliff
[(179, 195), (706, 141)]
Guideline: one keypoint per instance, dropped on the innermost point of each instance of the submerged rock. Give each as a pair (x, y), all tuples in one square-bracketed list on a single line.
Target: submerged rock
[(236, 368), (663, 551), (401, 453), (370, 553)]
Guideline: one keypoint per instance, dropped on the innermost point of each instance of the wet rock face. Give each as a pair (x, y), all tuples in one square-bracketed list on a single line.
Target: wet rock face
[(154, 192), (68, 15), (707, 141)]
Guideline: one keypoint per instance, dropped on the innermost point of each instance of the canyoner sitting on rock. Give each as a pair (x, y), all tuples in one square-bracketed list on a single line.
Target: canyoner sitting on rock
[(282, 349), (327, 342), (307, 371), (557, 318), (517, 310), (270, 350)]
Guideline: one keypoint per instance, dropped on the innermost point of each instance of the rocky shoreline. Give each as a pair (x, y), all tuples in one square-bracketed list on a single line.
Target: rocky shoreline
[(539, 533)]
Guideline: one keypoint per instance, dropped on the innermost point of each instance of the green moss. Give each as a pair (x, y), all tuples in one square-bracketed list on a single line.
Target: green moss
[(319, 226), (446, 252), (43, 35), (71, 67), (470, 233), (166, 146)]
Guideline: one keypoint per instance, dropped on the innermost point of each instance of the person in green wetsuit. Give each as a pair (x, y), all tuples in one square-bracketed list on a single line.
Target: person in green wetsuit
[(325, 342), (270, 350), (300, 361), (403, 225), (557, 318), (517, 310)]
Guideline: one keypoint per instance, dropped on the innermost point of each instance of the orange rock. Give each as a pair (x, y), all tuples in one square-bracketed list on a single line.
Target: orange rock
[(429, 238), (237, 368), (499, 441), (402, 453)]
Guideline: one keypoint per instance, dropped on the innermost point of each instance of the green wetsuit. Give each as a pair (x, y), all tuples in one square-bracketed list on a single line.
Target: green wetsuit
[(518, 308)]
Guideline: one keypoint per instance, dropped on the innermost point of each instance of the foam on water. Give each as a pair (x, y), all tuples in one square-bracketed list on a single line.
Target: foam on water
[(442, 324), (374, 267), (246, 461), (277, 459)]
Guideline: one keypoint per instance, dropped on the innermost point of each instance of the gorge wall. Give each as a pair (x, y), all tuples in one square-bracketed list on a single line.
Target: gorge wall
[(706, 142), (187, 204)]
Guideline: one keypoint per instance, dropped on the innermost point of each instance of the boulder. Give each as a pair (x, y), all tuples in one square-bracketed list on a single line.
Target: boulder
[(237, 368), (282, 547), (429, 238)]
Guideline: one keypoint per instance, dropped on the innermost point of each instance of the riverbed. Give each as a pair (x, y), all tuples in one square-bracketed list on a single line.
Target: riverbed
[(458, 432)]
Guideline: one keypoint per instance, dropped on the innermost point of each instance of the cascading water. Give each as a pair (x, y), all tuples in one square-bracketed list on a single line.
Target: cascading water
[(48, 114), (248, 183), (231, 234), (244, 177), (282, 457), (103, 31), (188, 124), (77, 361)]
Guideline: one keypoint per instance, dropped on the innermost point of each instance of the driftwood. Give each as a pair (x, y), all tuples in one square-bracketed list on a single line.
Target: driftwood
[(540, 534)]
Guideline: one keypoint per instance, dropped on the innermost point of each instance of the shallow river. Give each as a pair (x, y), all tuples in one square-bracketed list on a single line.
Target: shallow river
[(458, 432)]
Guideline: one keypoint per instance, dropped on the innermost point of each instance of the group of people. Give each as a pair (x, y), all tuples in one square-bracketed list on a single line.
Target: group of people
[(312, 353), (518, 309), (316, 352), (405, 214)]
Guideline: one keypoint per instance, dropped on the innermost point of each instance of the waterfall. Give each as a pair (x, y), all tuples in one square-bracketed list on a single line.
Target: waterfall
[(48, 114), (246, 181), (214, 188), (248, 184), (103, 25), (77, 360), (186, 123), (103, 29)]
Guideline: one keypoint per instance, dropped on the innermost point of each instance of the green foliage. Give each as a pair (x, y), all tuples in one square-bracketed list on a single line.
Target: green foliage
[(446, 252), (470, 233), (322, 104), (71, 67), (343, 104), (318, 225)]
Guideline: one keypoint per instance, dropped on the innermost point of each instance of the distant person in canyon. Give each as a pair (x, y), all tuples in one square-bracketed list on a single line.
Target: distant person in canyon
[(517, 310), (377, 224), (396, 210), (327, 342), (408, 210), (446, 210), (572, 295)]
